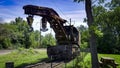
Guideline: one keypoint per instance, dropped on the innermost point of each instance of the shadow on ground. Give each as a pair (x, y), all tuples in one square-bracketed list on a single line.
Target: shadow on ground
[(23, 65)]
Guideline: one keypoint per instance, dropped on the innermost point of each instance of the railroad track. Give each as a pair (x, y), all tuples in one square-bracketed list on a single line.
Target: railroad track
[(53, 64)]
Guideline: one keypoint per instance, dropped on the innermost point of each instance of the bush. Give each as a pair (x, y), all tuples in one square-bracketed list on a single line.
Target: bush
[(24, 51)]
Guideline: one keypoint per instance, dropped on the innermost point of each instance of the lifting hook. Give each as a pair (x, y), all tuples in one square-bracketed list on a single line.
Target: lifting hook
[(30, 21)]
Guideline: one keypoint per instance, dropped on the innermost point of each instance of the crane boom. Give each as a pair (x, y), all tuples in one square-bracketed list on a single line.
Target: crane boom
[(67, 37), (63, 33)]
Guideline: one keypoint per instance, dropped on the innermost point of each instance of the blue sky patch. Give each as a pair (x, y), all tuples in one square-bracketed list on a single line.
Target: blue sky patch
[(7, 2), (10, 9)]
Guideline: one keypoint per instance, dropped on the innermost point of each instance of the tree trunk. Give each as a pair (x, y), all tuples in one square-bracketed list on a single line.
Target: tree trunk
[(92, 40)]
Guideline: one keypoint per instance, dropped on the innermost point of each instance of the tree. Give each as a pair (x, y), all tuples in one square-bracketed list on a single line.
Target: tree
[(84, 36), (113, 4), (48, 39), (106, 26), (6, 33), (16, 34), (109, 25), (92, 39)]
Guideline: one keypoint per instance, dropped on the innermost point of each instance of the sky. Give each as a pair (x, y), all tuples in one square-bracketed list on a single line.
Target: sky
[(10, 9)]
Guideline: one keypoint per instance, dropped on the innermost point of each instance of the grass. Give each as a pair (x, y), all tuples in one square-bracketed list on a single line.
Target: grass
[(22, 57), (115, 56), (79, 61), (87, 59), (86, 62)]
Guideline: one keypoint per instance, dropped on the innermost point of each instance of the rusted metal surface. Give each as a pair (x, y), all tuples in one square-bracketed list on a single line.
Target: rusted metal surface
[(62, 33), (66, 35)]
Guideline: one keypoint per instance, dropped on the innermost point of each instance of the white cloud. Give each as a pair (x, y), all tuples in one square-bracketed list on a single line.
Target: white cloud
[(11, 12), (36, 26), (77, 20), (77, 17), (76, 14)]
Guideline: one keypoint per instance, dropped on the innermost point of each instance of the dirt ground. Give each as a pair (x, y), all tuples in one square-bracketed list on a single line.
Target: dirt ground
[(3, 52)]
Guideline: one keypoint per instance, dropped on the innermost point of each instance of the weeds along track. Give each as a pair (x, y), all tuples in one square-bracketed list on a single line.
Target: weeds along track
[(52, 64)]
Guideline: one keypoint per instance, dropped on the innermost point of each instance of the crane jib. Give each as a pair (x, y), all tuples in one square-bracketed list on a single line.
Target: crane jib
[(67, 36), (63, 34)]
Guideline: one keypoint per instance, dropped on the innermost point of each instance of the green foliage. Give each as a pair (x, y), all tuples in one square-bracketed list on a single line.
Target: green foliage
[(113, 4), (81, 61), (16, 34), (109, 26), (48, 39), (86, 61), (7, 42), (88, 58), (106, 26), (84, 36), (96, 30)]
